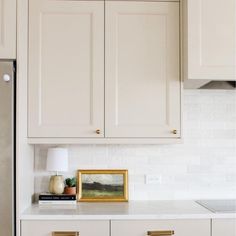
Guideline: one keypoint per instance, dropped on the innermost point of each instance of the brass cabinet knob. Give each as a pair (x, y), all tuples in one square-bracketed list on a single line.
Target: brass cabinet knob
[(98, 131), (174, 131), (161, 233)]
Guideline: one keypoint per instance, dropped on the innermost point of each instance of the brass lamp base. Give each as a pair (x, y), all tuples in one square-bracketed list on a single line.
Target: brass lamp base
[(56, 184)]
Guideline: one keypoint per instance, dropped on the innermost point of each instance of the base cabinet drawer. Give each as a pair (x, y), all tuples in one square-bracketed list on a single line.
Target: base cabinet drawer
[(161, 228), (65, 228), (226, 227)]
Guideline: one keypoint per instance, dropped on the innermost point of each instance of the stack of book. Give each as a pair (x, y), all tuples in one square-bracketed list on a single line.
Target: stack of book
[(57, 199)]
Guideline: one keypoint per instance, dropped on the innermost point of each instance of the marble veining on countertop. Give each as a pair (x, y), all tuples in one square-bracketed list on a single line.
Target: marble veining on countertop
[(134, 210)]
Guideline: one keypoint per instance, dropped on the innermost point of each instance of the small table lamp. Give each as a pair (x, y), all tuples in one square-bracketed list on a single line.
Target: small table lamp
[(57, 160)]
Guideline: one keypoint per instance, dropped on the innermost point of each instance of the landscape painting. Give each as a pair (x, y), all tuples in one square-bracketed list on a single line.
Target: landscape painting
[(102, 185)]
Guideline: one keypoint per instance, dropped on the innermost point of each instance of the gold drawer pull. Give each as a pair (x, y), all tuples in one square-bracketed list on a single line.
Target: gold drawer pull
[(65, 233), (161, 233)]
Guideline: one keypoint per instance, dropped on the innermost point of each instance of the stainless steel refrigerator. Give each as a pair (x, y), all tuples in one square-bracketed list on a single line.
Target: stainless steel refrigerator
[(7, 148)]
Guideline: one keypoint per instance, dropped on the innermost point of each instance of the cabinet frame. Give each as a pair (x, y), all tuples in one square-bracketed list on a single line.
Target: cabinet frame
[(105, 140)]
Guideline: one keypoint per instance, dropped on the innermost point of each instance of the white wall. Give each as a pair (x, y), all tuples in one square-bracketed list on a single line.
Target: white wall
[(204, 166)]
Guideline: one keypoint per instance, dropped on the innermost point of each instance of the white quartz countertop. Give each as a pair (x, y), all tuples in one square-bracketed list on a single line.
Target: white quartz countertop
[(134, 210)]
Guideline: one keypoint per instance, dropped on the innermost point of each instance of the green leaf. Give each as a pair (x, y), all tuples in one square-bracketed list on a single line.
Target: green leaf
[(71, 182)]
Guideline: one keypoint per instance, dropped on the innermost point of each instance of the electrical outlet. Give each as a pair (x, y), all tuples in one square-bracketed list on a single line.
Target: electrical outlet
[(153, 179)]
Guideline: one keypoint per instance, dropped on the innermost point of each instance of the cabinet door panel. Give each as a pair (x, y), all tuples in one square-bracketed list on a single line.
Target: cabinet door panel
[(211, 39), (7, 29), (180, 227), (46, 228), (226, 227), (66, 70), (142, 69)]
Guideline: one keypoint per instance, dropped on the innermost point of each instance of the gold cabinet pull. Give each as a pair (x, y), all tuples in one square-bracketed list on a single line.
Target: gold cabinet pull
[(174, 131), (98, 131), (161, 233), (65, 233)]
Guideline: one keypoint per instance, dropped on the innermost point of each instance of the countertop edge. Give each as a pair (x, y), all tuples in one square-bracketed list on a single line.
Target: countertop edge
[(130, 217)]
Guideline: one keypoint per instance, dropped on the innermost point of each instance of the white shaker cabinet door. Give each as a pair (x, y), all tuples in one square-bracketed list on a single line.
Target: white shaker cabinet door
[(211, 39), (226, 227), (7, 29), (142, 73), (161, 227), (66, 69), (64, 228)]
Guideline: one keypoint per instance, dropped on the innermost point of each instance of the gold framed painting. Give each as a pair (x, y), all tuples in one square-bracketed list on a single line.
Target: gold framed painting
[(102, 185)]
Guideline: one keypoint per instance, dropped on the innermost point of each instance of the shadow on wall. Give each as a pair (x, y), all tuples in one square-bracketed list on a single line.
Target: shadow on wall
[(207, 84)]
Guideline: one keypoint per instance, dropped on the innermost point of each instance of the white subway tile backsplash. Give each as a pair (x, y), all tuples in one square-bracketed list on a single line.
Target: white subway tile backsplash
[(204, 166)]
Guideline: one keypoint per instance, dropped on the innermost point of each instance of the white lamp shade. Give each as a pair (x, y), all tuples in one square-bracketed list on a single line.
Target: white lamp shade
[(57, 159)]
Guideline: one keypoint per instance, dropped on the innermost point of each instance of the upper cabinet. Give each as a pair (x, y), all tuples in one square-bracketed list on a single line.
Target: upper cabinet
[(96, 79), (211, 26), (7, 29), (66, 69), (142, 70)]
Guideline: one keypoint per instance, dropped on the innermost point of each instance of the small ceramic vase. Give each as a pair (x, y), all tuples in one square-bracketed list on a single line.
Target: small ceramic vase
[(56, 185)]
